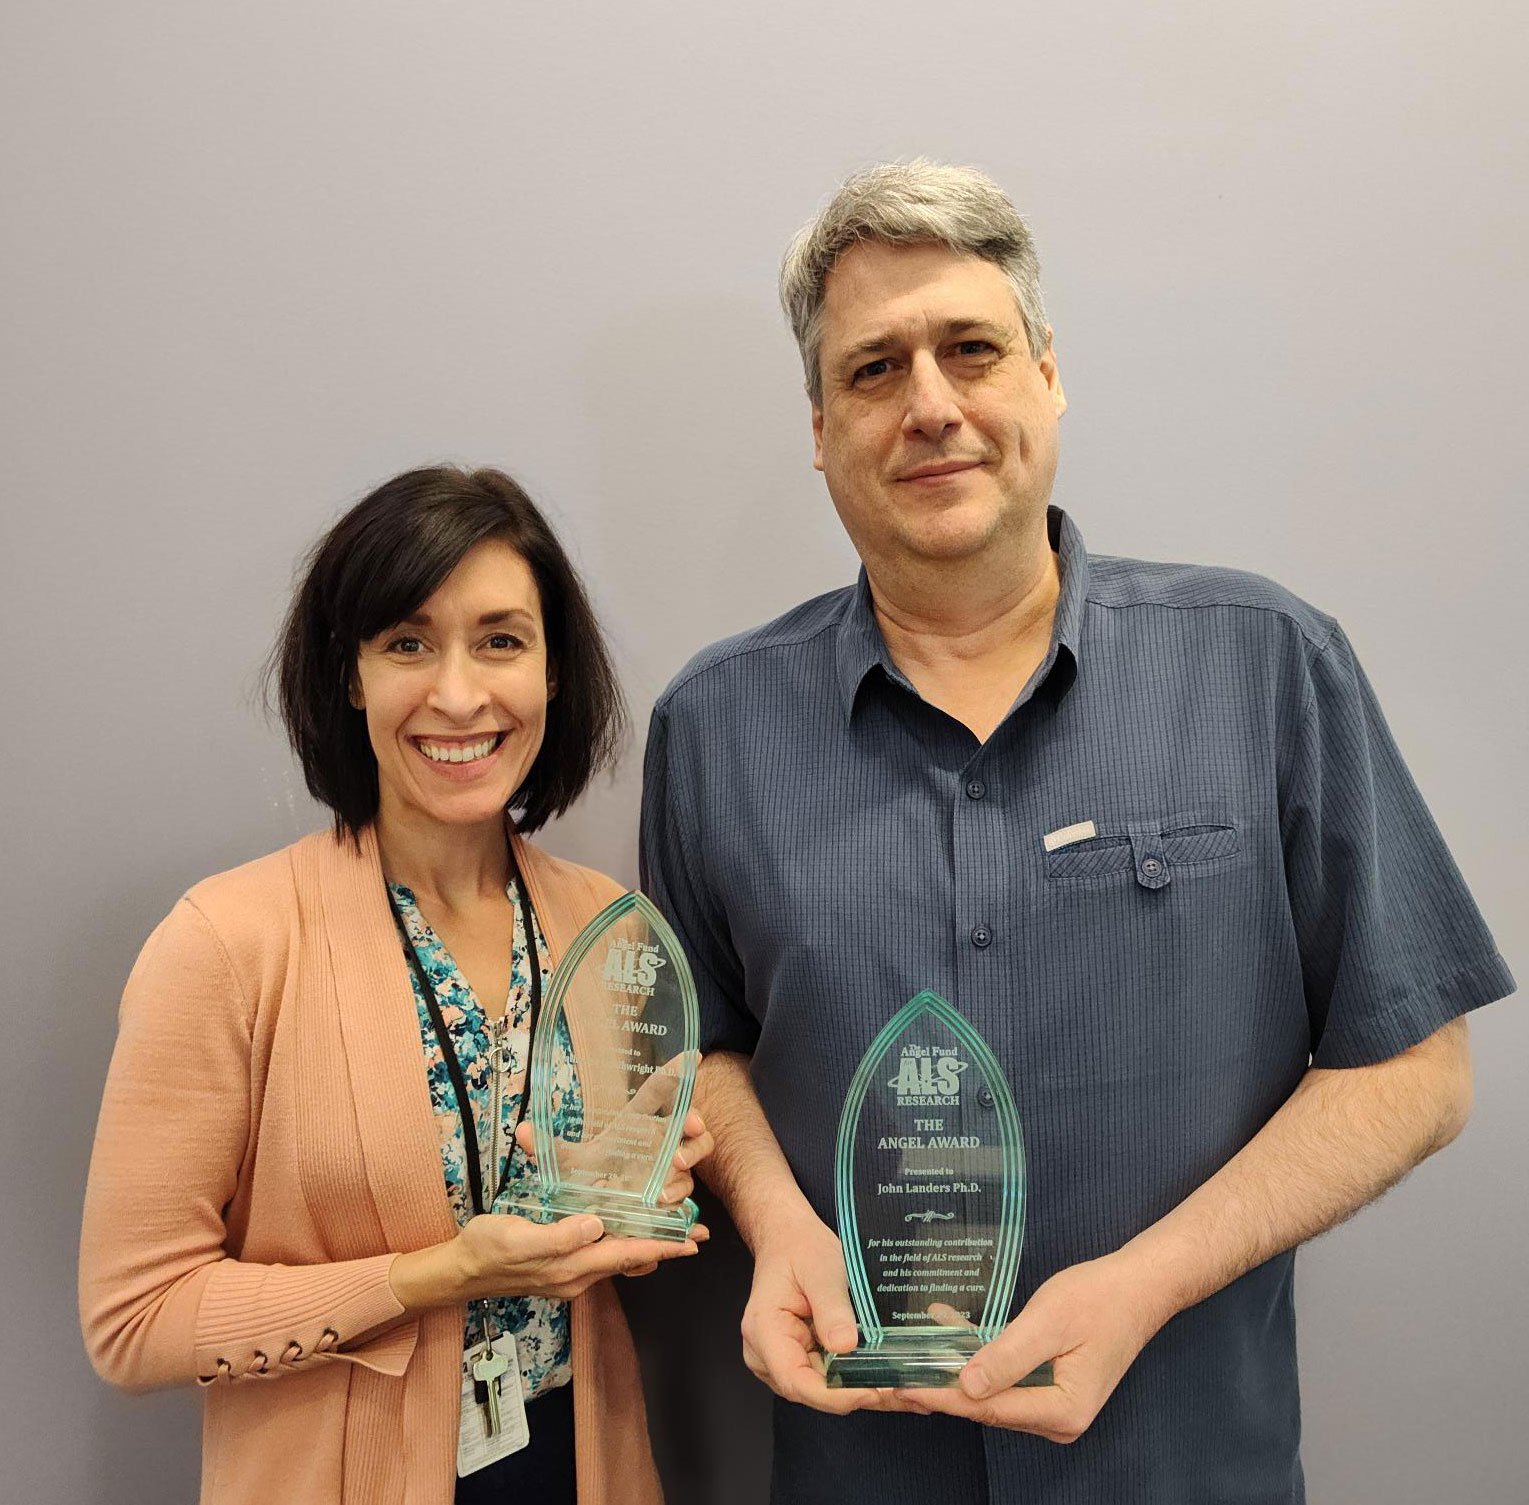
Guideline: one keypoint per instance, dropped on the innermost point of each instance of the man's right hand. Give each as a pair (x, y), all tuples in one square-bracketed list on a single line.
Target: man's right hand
[(799, 1304)]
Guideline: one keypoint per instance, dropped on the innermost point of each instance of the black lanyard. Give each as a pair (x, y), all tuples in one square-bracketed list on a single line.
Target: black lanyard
[(448, 1050)]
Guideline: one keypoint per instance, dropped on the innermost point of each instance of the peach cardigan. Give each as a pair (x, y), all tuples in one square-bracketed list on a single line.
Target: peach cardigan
[(265, 1148)]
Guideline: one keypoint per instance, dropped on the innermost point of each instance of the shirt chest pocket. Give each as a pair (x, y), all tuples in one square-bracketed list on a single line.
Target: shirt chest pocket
[(1153, 851)]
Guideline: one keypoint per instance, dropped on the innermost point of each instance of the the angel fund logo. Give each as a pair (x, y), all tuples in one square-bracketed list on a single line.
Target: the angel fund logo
[(928, 1076), (632, 967)]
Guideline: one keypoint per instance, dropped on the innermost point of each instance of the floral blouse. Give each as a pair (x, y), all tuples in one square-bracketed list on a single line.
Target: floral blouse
[(540, 1324)]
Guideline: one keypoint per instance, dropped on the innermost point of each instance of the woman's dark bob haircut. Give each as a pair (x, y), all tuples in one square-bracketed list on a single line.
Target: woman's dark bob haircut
[(380, 563)]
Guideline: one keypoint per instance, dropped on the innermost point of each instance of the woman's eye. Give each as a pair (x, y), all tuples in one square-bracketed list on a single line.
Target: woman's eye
[(504, 642), (406, 646)]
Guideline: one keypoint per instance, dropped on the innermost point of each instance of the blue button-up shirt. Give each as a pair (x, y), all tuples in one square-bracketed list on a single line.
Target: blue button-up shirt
[(1242, 881)]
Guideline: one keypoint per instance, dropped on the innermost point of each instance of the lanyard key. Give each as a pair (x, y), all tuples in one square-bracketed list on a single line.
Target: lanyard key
[(486, 1373)]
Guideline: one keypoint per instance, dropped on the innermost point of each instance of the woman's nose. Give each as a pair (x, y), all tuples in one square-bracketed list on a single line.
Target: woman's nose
[(458, 690)]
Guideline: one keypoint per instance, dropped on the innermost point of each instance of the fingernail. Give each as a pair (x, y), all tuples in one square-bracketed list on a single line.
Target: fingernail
[(591, 1229)]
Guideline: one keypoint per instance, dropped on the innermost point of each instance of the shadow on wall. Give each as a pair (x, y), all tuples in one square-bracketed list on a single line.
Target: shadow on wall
[(133, 1447), (710, 519), (710, 1418)]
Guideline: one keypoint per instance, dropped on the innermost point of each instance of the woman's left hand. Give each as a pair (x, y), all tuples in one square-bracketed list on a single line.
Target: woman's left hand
[(695, 1145)]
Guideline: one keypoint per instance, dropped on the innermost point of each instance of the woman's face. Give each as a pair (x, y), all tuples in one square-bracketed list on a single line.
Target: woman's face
[(456, 694)]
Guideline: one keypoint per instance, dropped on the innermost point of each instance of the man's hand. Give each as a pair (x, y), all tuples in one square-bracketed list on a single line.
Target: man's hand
[(799, 1304), (800, 1301), (1091, 1320), (1340, 1139)]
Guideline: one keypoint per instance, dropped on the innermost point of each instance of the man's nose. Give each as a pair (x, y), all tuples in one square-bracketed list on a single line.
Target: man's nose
[(933, 412), (457, 691)]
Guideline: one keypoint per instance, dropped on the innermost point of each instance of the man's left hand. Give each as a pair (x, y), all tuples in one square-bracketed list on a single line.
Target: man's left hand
[(1090, 1320)]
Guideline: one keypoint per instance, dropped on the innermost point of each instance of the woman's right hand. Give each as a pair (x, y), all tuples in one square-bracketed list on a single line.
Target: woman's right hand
[(502, 1254)]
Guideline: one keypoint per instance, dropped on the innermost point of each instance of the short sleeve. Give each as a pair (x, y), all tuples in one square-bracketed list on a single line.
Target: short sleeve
[(1392, 945), (670, 861)]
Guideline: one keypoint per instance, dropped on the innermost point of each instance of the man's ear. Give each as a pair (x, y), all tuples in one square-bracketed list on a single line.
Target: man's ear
[(817, 436), (1053, 375)]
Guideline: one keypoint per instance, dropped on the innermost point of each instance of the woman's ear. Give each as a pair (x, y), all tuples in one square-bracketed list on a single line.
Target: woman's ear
[(551, 679)]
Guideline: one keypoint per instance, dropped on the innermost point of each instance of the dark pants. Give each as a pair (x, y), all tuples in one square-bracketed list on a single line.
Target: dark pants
[(541, 1473)]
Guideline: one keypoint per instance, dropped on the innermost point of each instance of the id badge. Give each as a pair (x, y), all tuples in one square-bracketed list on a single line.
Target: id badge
[(476, 1447)]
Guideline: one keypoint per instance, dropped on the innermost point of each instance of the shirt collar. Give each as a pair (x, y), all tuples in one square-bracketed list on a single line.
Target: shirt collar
[(861, 647)]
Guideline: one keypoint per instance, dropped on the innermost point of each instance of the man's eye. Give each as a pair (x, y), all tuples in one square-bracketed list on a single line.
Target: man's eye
[(872, 369), (973, 347)]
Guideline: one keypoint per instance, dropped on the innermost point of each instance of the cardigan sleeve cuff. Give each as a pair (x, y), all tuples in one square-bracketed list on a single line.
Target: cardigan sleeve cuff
[(261, 1320)]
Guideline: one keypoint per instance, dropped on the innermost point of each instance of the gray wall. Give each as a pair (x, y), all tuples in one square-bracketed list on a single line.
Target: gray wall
[(256, 258)]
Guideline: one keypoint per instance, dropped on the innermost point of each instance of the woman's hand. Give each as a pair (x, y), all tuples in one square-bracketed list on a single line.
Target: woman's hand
[(695, 1145), (499, 1254)]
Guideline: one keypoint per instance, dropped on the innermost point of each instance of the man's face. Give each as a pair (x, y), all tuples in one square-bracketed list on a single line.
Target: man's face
[(937, 432)]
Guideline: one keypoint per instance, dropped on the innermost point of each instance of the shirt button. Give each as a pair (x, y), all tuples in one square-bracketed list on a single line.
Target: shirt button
[(975, 789), (1151, 866), (985, 1096), (982, 936)]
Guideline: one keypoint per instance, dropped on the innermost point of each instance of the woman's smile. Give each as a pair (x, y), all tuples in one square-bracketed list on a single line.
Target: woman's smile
[(462, 759), (457, 752)]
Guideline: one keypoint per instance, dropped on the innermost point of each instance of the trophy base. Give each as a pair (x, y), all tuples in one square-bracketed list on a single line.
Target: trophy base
[(624, 1215), (912, 1361)]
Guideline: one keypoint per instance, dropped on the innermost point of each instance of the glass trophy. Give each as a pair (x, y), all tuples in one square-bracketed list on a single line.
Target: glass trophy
[(929, 1186), (623, 1004)]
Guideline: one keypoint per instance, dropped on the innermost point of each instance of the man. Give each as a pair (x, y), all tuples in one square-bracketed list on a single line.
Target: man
[(1227, 990)]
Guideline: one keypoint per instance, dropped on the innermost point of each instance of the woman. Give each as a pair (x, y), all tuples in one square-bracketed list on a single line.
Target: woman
[(283, 1201)]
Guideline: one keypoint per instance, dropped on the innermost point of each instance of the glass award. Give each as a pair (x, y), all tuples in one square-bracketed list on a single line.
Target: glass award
[(929, 1187), (622, 1006)]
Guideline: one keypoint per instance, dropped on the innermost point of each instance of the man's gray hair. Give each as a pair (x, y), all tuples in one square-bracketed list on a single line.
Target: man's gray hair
[(905, 203)]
